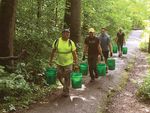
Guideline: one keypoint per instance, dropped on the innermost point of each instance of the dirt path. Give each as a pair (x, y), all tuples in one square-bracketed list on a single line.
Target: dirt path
[(92, 97), (126, 100)]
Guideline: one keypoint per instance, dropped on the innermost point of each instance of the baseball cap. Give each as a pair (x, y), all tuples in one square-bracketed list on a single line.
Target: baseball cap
[(66, 30), (91, 30)]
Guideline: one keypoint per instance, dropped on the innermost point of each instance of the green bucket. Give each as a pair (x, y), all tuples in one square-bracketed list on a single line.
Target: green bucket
[(101, 69), (111, 63), (76, 79), (84, 68), (51, 75), (115, 49), (125, 50)]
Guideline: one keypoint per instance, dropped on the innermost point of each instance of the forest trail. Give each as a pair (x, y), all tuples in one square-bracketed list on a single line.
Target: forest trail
[(92, 97), (126, 100)]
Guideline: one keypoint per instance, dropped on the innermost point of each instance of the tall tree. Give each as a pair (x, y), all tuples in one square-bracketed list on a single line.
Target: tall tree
[(39, 11), (72, 18), (7, 29), (67, 16), (75, 27)]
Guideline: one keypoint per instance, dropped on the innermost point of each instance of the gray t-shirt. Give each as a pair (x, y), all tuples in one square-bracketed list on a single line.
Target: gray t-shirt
[(104, 41)]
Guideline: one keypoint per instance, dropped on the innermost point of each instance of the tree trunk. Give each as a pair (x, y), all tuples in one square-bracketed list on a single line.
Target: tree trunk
[(67, 17), (75, 27), (56, 13), (7, 29), (39, 11), (72, 19)]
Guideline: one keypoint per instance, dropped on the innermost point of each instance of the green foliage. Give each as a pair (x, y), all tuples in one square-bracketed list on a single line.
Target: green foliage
[(15, 90), (145, 39), (113, 14), (144, 46), (144, 90), (12, 84), (37, 26), (35, 33)]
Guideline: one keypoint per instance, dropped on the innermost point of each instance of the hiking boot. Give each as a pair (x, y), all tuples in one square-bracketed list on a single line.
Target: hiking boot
[(120, 54), (92, 80), (65, 94), (96, 75)]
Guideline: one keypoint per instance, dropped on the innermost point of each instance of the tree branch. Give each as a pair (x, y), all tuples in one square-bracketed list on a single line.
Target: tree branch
[(22, 55)]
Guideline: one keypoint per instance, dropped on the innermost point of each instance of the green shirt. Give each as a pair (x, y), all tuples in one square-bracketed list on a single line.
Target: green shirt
[(64, 52)]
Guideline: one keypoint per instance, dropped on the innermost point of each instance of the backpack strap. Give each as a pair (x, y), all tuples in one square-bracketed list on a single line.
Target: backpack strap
[(70, 44), (56, 44)]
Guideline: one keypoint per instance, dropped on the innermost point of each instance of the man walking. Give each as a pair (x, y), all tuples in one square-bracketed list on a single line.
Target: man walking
[(93, 49), (120, 39), (105, 45), (66, 56)]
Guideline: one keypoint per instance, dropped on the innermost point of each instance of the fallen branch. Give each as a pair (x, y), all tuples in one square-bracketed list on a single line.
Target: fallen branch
[(22, 55)]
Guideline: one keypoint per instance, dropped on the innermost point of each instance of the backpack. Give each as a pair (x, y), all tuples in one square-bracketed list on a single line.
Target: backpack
[(56, 46)]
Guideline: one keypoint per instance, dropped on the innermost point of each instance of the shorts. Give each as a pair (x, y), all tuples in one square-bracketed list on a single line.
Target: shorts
[(105, 54), (64, 70)]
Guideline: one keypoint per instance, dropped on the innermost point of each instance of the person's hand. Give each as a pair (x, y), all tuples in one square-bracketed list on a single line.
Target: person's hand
[(102, 58), (111, 54), (115, 40), (76, 68)]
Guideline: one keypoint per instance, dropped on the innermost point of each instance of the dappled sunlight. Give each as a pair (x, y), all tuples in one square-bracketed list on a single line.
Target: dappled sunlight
[(145, 37), (92, 97), (81, 97), (59, 85), (44, 102), (82, 88), (73, 97)]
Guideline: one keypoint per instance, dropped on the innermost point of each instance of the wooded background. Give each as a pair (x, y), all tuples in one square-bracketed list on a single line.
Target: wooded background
[(28, 28)]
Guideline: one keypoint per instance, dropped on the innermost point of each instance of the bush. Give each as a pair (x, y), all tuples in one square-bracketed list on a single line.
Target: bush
[(144, 46), (12, 84), (144, 90), (17, 92)]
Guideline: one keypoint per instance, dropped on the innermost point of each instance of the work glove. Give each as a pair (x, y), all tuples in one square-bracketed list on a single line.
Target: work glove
[(111, 54), (75, 67)]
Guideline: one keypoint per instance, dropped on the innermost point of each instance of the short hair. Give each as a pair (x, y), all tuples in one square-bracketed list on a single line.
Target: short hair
[(104, 28)]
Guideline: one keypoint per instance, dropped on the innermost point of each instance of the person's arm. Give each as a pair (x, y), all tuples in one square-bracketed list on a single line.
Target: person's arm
[(100, 53), (110, 48), (99, 48), (75, 57), (124, 40), (110, 45), (52, 56), (85, 50), (116, 39)]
